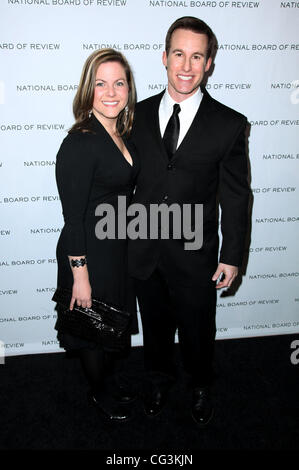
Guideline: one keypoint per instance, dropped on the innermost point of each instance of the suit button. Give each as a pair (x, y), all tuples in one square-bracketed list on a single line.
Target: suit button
[(170, 166), (165, 198)]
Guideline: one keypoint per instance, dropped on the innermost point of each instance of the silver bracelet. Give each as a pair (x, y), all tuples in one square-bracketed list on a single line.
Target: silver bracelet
[(76, 263)]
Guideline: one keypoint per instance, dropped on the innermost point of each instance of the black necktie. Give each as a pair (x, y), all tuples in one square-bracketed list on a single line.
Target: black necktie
[(171, 134)]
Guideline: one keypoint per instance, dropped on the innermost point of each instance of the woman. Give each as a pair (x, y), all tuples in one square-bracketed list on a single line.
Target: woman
[(96, 164)]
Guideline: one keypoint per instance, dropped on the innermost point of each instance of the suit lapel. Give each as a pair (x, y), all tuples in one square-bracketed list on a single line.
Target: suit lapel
[(198, 130), (155, 124)]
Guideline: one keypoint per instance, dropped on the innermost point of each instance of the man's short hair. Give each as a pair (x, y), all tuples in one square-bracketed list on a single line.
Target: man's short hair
[(196, 26)]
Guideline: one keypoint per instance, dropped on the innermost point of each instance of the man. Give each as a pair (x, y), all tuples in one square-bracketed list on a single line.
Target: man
[(192, 154)]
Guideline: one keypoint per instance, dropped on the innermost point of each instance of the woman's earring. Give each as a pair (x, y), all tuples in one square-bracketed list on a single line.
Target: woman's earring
[(127, 110), (90, 113)]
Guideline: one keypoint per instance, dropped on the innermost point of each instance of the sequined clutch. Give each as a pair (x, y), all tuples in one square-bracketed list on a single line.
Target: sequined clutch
[(101, 323)]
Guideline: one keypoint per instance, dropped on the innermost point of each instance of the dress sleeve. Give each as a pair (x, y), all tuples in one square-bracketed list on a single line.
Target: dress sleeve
[(74, 176)]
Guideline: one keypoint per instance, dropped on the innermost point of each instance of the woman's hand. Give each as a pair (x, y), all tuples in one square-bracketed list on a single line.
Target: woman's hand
[(81, 294)]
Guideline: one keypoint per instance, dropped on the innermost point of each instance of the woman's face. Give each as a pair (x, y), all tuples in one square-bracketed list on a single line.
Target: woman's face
[(110, 93)]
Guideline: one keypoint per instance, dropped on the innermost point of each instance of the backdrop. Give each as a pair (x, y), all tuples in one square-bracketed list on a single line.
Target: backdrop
[(43, 45)]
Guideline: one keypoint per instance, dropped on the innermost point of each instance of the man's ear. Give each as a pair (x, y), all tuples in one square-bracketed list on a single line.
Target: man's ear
[(208, 64), (164, 59)]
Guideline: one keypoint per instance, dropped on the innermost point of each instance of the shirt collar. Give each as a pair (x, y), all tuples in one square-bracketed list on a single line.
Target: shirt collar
[(190, 104)]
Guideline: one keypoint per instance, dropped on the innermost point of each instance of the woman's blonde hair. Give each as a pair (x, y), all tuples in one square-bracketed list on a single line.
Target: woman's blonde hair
[(83, 101)]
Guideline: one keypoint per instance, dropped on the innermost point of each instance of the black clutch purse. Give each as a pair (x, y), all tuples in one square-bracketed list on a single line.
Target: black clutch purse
[(102, 323)]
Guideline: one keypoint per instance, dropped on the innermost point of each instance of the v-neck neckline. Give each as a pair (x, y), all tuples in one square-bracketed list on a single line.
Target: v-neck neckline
[(131, 165), (97, 124)]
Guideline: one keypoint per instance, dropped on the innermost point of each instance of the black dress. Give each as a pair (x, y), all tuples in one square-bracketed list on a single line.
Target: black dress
[(91, 170)]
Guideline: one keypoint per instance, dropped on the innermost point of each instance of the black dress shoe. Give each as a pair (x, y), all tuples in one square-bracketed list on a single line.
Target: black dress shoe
[(107, 408), (154, 402), (202, 410)]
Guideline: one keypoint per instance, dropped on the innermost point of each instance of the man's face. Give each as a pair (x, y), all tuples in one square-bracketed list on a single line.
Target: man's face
[(186, 63)]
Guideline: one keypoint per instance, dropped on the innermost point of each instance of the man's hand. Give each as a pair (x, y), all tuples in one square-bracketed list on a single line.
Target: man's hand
[(229, 272)]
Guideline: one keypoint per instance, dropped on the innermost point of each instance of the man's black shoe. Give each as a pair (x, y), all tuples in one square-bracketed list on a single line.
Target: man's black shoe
[(154, 402), (110, 410), (202, 410)]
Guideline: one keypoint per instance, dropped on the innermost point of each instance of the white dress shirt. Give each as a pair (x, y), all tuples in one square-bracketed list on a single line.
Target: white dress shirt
[(189, 108)]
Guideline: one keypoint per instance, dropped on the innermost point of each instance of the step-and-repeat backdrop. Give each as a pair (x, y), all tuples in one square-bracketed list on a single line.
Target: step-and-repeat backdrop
[(43, 45)]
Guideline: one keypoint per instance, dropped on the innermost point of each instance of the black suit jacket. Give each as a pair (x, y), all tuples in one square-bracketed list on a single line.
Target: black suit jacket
[(209, 166)]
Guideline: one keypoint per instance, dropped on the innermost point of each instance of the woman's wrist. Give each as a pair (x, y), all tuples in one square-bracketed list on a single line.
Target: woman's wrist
[(79, 268), (78, 262)]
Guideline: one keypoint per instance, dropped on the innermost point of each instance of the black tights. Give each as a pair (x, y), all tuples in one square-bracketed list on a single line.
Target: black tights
[(97, 366), (100, 367)]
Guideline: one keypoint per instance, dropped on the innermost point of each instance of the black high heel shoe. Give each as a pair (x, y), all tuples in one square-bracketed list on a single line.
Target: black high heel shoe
[(110, 410), (124, 394)]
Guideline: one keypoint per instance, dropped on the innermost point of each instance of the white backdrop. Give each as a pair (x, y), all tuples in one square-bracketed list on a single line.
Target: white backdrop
[(43, 45)]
